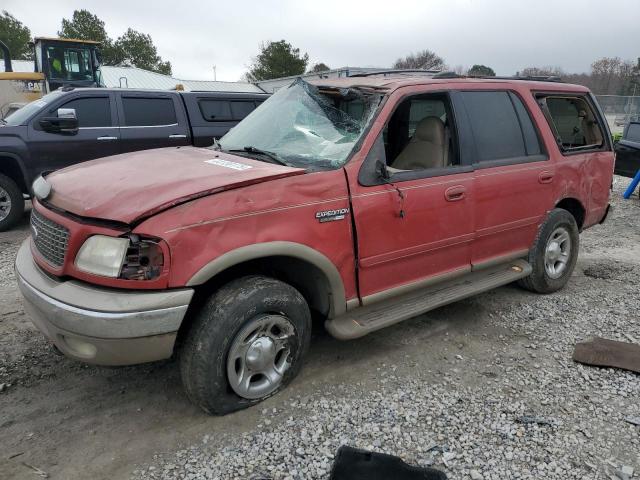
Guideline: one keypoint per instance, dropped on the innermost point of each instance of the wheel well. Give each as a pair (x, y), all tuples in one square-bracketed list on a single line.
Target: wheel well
[(9, 167), (575, 208), (304, 276)]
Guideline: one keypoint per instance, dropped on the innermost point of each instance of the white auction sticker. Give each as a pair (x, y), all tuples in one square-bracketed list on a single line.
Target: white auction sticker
[(228, 164)]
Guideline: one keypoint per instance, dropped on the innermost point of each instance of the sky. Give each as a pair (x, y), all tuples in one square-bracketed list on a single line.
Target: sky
[(507, 35)]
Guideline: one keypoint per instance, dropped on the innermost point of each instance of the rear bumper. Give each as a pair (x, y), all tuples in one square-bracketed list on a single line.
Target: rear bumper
[(99, 325)]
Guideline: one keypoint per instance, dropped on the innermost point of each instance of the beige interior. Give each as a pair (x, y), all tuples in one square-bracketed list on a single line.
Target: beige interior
[(426, 149), (589, 128)]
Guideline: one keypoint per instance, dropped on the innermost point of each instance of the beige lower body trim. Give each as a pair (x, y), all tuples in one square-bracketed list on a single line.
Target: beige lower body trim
[(492, 262), (394, 292), (353, 303), (402, 289)]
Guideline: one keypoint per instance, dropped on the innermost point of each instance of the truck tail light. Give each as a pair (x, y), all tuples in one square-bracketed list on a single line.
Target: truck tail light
[(144, 260)]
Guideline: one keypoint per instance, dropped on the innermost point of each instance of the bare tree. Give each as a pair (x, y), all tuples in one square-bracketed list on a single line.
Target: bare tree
[(541, 72), (608, 76), (612, 75), (423, 60)]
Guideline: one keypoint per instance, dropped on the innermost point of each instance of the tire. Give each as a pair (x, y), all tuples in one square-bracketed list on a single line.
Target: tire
[(11, 203), (547, 275), (252, 315)]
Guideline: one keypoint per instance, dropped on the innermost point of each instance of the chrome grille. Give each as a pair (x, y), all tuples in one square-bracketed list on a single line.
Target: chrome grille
[(50, 238)]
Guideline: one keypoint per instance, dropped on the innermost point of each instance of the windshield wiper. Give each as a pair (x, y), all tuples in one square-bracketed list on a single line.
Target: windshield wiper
[(271, 155)]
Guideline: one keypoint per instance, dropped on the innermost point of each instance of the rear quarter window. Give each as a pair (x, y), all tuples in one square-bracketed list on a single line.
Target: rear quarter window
[(215, 110), (573, 121), (242, 109)]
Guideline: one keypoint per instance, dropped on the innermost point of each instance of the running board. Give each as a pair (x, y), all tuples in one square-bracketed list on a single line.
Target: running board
[(363, 320)]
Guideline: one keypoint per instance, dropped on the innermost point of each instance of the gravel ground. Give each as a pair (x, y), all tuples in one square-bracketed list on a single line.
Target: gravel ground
[(483, 388), (520, 410)]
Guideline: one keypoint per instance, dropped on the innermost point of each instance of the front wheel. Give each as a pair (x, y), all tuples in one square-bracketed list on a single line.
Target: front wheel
[(246, 343), (554, 253), (11, 203)]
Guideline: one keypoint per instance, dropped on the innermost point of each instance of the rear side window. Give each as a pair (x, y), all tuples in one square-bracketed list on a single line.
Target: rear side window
[(241, 109), (573, 122), (215, 110), (496, 119), (148, 112), (91, 112), (633, 133)]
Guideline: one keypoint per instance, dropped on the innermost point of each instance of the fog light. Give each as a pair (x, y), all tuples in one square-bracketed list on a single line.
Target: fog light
[(80, 347)]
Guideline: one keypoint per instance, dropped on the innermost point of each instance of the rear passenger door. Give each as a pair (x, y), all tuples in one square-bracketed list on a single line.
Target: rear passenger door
[(151, 120), (512, 175)]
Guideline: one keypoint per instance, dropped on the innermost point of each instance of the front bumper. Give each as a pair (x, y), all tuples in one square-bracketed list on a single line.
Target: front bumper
[(101, 325)]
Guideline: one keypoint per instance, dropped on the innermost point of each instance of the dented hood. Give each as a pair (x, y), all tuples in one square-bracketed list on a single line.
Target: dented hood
[(133, 186)]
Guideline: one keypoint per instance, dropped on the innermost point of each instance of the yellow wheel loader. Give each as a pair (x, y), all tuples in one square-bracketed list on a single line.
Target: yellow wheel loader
[(58, 62)]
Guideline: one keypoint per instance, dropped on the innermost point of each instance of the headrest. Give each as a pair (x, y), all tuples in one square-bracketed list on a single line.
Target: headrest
[(430, 129)]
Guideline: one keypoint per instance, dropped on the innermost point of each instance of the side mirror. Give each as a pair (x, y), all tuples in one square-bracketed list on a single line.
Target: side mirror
[(65, 123), (67, 113), (382, 171)]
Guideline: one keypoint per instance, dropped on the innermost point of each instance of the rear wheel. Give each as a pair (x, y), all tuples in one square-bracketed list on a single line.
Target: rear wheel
[(246, 344), (554, 253), (11, 203)]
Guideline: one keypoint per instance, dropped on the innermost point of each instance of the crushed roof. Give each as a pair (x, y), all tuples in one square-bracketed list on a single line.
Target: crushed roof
[(393, 82)]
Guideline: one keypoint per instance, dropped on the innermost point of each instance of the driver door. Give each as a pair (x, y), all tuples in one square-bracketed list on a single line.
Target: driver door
[(416, 226)]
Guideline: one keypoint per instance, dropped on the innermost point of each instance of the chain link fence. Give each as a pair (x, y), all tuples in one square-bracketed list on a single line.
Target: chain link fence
[(619, 110)]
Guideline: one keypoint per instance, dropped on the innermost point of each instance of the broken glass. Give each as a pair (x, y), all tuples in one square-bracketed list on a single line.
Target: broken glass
[(306, 126)]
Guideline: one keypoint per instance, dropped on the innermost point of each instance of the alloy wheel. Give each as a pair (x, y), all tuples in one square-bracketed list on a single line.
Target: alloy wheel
[(260, 355), (557, 252), (5, 204)]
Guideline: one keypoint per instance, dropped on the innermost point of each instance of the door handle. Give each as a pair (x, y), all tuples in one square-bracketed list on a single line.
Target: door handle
[(177, 136), (455, 193), (545, 177), (107, 138)]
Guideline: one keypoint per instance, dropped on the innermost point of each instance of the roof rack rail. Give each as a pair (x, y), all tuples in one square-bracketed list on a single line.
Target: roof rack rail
[(537, 78), (448, 75), (394, 72), (531, 78), (436, 74)]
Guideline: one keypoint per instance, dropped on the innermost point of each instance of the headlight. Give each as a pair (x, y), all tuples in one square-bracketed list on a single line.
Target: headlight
[(102, 255), (144, 259), (129, 258)]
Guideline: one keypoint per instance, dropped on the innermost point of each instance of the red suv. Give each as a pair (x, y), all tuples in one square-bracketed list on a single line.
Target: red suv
[(359, 202)]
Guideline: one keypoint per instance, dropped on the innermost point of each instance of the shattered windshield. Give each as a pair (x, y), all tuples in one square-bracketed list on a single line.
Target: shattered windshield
[(303, 126)]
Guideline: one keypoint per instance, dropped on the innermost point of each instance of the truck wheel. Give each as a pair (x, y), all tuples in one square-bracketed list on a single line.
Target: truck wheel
[(246, 344), (11, 203), (554, 253)]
